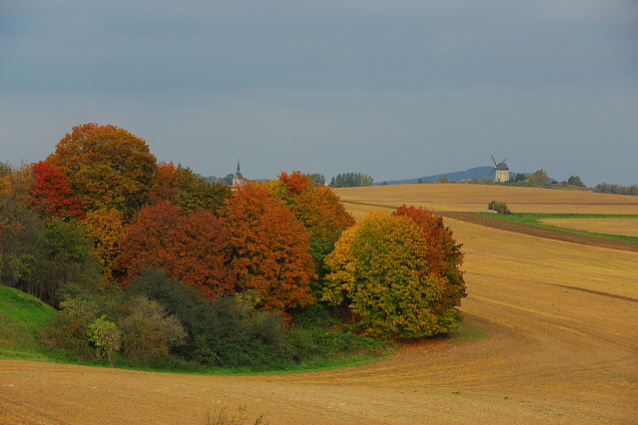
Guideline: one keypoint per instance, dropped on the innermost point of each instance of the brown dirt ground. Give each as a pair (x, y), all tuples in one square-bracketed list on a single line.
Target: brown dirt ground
[(560, 322)]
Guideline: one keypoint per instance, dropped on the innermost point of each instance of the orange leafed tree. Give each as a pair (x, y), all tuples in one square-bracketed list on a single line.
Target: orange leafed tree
[(270, 248), (106, 228), (193, 249), (317, 207), (108, 167), (51, 195)]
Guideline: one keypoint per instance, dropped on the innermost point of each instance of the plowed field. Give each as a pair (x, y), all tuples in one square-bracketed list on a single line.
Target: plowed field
[(550, 337)]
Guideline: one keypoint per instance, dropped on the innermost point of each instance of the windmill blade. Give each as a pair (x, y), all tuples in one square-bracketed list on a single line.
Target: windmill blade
[(503, 161), (494, 161)]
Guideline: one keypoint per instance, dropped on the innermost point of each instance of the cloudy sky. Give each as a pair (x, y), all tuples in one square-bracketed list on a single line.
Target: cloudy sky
[(393, 89)]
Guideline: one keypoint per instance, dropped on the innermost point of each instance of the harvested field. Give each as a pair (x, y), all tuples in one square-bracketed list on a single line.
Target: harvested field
[(468, 197), (541, 232), (614, 226), (549, 337)]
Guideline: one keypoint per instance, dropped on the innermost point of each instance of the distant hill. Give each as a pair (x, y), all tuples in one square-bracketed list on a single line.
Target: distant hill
[(473, 173)]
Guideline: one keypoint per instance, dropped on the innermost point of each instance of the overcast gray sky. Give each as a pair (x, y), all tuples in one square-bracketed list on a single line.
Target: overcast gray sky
[(393, 89)]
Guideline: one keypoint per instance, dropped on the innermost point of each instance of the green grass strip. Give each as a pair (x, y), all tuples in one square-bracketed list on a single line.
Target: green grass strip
[(535, 219)]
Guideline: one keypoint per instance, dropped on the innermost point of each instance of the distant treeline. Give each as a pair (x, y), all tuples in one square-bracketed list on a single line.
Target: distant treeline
[(617, 189), (351, 180)]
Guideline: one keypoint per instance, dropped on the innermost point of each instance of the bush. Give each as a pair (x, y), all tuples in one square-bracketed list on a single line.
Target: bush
[(148, 331), (225, 332), (499, 207)]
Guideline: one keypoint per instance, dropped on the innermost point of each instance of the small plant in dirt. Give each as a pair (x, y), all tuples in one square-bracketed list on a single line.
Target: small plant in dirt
[(498, 207), (221, 417)]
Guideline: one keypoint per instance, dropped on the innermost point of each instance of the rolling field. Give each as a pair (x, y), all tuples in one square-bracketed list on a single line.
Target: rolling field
[(550, 337), (618, 226)]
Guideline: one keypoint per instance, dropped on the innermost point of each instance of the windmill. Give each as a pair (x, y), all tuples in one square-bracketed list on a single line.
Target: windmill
[(502, 171)]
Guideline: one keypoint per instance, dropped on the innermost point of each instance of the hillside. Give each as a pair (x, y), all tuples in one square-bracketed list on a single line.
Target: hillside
[(456, 176), (21, 316), (548, 338)]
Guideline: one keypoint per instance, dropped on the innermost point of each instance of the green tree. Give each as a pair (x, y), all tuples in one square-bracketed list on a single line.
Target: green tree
[(379, 271), (442, 180), (105, 336), (538, 177), (520, 177), (38, 258), (319, 179), (351, 180), (575, 181)]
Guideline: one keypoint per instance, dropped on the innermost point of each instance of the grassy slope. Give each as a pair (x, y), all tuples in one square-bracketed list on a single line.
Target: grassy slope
[(21, 317)]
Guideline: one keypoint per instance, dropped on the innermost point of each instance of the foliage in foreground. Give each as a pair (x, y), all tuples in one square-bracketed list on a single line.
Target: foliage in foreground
[(398, 275)]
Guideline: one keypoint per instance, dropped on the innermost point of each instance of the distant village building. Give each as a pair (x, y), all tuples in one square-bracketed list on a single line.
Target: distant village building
[(238, 179)]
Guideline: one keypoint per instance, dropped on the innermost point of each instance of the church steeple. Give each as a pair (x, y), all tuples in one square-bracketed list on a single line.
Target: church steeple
[(238, 179)]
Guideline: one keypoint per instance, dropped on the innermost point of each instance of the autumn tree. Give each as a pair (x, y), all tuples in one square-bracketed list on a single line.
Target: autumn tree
[(193, 249), (187, 190), (443, 255), (107, 166), (106, 229), (270, 248), (317, 207), (51, 195), (380, 270), (539, 176)]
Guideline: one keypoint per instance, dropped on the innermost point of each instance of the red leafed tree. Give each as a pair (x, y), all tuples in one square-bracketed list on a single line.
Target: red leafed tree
[(443, 254), (51, 194), (270, 248), (193, 249)]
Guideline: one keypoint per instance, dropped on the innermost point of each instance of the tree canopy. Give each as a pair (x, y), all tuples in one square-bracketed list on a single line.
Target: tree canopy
[(388, 272), (107, 166), (270, 248), (193, 249)]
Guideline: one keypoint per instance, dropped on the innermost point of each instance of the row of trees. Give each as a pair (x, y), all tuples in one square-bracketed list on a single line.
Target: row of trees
[(100, 213), (351, 180)]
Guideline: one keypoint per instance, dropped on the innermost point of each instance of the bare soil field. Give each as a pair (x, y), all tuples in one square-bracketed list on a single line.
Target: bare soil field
[(469, 197), (614, 226), (550, 337)]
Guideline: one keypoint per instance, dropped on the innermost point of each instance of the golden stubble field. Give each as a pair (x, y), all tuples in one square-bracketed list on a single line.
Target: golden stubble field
[(550, 337)]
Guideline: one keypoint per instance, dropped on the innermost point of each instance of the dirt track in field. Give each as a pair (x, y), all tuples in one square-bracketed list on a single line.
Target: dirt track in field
[(550, 337)]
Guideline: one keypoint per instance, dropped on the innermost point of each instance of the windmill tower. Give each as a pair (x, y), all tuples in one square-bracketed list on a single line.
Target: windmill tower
[(502, 171)]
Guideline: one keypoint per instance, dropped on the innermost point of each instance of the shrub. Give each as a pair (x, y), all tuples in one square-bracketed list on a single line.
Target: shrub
[(105, 336), (148, 331), (499, 207)]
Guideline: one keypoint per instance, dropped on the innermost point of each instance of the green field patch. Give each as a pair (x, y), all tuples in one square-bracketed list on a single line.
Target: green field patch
[(536, 219)]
